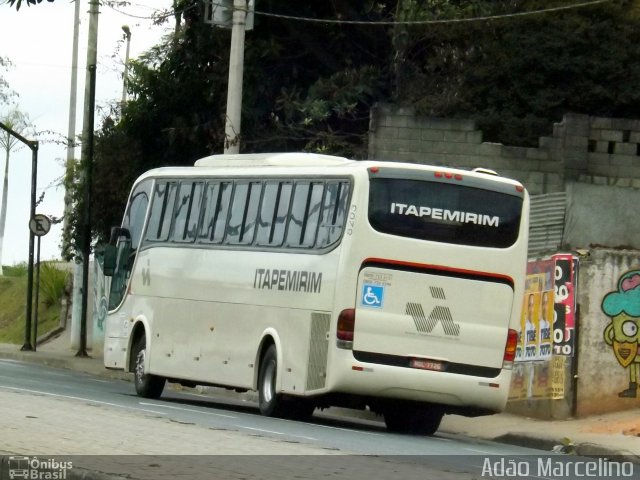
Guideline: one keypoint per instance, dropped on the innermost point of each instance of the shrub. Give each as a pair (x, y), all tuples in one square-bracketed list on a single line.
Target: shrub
[(17, 270), (53, 283)]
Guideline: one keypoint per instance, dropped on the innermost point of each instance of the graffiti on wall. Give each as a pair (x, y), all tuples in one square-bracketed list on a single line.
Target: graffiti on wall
[(622, 306)]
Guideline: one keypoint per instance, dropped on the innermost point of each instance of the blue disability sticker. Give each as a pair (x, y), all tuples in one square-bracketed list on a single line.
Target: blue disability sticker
[(372, 295)]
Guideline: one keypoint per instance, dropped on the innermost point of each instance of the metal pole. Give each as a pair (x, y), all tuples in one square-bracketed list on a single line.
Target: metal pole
[(34, 177), (234, 87), (33, 145), (35, 318), (87, 163), (127, 33)]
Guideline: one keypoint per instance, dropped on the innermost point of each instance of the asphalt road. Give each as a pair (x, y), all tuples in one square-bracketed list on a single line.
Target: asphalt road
[(440, 456)]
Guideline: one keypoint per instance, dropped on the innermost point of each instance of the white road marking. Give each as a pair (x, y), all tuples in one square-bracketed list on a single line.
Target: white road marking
[(71, 397), (480, 451), (348, 430), (161, 405), (276, 433)]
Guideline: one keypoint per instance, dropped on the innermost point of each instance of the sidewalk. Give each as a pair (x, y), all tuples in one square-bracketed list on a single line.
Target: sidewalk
[(607, 435)]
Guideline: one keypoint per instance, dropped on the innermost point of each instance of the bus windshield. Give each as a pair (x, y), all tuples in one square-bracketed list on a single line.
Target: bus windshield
[(444, 212)]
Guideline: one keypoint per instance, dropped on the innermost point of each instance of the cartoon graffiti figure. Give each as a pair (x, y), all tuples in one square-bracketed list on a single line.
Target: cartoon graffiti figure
[(622, 334)]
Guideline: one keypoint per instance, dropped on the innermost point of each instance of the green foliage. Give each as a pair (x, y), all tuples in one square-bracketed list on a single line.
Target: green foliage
[(54, 280), (518, 75), (18, 3), (310, 86), (73, 185), (5, 92), (17, 270), (13, 291)]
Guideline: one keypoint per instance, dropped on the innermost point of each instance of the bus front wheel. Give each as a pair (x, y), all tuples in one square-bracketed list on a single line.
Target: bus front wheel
[(147, 385), (270, 402)]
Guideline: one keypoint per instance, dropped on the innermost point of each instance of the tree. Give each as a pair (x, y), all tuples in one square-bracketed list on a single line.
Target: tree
[(310, 85), (18, 3), (299, 95), (18, 122), (5, 92), (518, 75)]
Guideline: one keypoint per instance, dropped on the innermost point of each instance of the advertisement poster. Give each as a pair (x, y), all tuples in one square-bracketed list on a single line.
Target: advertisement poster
[(557, 377), (535, 340), (565, 276)]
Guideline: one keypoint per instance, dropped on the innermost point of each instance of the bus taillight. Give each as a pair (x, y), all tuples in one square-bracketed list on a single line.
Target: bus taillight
[(510, 349), (346, 325)]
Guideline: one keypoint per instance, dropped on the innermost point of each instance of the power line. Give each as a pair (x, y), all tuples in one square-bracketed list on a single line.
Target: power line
[(432, 22), (161, 16), (573, 6)]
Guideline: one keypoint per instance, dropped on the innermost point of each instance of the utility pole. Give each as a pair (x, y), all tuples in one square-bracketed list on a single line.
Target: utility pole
[(125, 76), (71, 139), (234, 87), (87, 165)]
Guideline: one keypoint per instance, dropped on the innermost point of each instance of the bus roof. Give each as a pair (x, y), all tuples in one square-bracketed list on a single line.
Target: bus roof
[(296, 159), (314, 163)]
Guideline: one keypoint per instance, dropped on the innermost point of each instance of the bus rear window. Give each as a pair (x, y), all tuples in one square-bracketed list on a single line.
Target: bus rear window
[(444, 212)]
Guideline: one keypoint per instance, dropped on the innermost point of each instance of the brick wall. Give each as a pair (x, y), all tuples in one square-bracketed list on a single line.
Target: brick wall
[(596, 150)]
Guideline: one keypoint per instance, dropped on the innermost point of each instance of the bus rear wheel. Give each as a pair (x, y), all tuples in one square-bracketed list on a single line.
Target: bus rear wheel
[(271, 403), (403, 418), (147, 385)]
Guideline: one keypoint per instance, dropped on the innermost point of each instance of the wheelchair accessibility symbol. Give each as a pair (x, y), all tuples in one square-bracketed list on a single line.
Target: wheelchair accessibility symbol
[(372, 295)]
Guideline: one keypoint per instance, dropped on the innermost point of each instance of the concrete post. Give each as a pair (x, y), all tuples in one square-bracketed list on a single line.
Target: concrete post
[(234, 87)]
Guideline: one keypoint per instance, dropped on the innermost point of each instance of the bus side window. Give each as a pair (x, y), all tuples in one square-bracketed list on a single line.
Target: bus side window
[(244, 210), (333, 213), (273, 213), (136, 212), (216, 207), (187, 214), (164, 195), (305, 214)]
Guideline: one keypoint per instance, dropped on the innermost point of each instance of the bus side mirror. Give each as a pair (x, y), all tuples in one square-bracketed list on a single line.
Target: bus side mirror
[(111, 249), (110, 257), (117, 233)]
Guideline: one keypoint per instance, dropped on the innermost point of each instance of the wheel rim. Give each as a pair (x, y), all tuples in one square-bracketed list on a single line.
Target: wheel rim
[(140, 366), (268, 382)]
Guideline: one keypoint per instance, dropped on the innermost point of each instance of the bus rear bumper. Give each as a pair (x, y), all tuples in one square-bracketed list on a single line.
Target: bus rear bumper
[(460, 392)]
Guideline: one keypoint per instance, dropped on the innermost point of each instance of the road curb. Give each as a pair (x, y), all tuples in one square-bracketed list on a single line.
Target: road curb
[(548, 443), (71, 363)]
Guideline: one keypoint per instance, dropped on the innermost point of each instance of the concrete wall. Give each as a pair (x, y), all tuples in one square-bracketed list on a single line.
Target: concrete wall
[(542, 384), (602, 151), (601, 215), (600, 372), (601, 376)]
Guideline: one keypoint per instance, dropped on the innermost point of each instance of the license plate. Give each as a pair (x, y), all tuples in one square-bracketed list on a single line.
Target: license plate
[(424, 364)]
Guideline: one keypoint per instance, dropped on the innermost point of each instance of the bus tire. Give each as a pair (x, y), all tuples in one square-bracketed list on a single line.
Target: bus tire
[(300, 409), (271, 403), (400, 418), (147, 385)]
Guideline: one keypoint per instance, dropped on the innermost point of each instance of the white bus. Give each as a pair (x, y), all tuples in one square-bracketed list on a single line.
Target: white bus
[(319, 281)]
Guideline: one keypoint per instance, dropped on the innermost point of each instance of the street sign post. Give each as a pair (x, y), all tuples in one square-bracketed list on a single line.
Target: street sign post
[(39, 225)]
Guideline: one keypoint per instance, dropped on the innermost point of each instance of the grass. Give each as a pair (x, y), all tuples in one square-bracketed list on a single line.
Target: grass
[(13, 301)]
